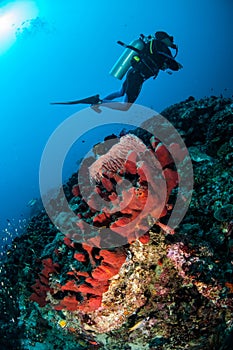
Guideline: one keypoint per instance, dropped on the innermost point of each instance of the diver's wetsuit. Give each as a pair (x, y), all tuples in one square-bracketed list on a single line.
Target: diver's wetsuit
[(155, 58), (130, 88)]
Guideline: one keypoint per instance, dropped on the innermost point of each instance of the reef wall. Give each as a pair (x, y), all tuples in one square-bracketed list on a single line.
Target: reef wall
[(158, 288)]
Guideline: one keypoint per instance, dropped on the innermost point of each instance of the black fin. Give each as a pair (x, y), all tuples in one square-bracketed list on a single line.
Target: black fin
[(88, 100)]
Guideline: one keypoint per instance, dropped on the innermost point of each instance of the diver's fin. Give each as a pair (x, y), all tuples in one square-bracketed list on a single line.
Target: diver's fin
[(92, 100)]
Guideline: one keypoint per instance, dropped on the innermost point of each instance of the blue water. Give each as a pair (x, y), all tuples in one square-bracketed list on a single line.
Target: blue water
[(66, 53)]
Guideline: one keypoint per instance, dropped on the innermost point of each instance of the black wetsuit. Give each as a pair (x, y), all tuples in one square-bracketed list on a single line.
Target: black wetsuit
[(152, 59)]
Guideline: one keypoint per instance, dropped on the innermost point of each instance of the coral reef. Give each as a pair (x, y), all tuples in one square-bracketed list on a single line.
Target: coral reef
[(155, 291), (127, 189)]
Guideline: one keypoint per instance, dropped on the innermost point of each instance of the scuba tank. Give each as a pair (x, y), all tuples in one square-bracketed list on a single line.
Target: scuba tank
[(124, 62)]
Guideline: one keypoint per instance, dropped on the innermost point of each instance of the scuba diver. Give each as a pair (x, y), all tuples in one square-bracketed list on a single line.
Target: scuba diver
[(142, 59)]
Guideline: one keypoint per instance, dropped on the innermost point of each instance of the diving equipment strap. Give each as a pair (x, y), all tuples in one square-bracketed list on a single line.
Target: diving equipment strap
[(139, 52), (128, 46), (166, 55)]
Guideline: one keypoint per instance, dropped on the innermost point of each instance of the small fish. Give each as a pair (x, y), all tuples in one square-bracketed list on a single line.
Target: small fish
[(62, 323), (32, 202), (138, 324)]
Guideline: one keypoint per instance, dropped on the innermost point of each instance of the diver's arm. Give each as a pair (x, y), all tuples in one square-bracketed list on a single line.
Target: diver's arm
[(170, 62), (173, 64)]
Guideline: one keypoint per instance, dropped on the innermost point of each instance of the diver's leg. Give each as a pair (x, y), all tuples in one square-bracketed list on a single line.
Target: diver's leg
[(114, 95), (107, 101), (133, 88), (117, 105)]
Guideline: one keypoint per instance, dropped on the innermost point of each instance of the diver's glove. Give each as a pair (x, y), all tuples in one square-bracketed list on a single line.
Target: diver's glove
[(179, 65)]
